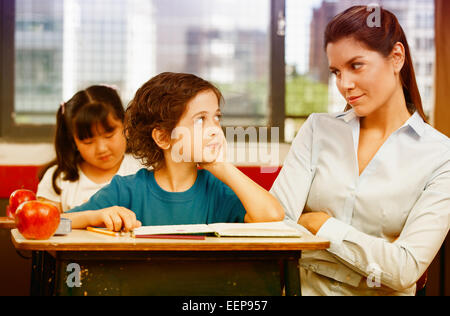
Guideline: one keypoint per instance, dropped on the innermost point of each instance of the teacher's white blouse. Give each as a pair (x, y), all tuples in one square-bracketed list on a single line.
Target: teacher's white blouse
[(387, 223)]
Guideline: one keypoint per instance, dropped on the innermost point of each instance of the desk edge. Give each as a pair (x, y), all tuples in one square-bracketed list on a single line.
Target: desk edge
[(196, 245)]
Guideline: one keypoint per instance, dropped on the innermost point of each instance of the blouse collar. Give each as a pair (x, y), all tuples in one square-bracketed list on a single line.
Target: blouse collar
[(415, 122)]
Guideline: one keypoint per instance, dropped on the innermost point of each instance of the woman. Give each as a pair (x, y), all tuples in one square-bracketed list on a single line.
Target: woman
[(374, 180)]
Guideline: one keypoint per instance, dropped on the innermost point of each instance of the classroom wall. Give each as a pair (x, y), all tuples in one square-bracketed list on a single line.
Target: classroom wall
[(439, 271), (19, 163), (41, 153)]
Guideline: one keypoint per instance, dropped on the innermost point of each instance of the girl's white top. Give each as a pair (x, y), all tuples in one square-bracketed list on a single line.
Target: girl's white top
[(387, 223), (78, 192)]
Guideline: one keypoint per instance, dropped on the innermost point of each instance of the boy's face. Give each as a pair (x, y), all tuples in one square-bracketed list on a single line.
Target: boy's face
[(198, 136)]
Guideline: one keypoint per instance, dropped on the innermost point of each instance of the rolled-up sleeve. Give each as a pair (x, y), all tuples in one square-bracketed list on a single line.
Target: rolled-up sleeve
[(292, 185)]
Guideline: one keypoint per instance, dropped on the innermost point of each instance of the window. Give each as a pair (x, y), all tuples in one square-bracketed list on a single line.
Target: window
[(224, 41), (62, 46), (266, 56)]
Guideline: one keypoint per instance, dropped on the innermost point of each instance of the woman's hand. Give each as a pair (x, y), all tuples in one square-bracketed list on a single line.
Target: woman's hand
[(313, 221), (115, 218)]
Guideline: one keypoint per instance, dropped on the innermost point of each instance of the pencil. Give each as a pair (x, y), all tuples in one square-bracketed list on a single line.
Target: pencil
[(102, 231), (194, 237)]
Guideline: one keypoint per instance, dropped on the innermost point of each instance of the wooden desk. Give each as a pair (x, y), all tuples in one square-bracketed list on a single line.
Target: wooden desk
[(128, 266), (7, 223)]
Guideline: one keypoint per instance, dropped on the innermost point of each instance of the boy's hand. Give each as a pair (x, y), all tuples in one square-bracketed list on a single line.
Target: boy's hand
[(116, 218)]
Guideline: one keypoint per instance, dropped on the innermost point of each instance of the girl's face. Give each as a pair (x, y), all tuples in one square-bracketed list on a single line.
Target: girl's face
[(105, 150), (365, 78), (198, 136)]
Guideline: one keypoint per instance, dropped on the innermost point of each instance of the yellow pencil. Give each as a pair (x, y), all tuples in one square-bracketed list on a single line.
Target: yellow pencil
[(102, 231)]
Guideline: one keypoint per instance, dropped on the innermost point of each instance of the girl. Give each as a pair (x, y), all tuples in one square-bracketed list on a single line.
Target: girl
[(374, 180), (90, 148), (173, 124)]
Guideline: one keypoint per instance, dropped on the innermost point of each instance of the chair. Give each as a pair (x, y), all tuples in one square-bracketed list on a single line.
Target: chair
[(421, 284)]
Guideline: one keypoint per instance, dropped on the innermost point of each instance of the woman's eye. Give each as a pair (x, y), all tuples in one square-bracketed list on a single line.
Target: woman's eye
[(356, 66), (218, 117)]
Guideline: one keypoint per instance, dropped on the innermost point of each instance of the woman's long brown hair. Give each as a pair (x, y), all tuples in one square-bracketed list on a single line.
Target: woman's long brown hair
[(353, 22)]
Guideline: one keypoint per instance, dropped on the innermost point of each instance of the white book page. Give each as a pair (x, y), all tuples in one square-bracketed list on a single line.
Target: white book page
[(173, 229), (272, 229)]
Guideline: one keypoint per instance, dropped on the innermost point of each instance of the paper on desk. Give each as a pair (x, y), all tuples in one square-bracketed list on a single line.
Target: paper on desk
[(173, 229), (272, 229)]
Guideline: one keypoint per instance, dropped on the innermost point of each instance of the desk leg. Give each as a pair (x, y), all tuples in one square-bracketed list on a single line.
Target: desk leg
[(292, 278), (42, 274), (36, 273)]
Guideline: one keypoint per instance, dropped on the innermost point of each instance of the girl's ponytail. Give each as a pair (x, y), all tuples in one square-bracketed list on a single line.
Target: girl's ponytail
[(67, 155)]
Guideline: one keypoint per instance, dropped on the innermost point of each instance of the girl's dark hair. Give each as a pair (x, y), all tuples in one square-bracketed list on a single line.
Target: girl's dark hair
[(353, 22), (160, 103), (77, 117)]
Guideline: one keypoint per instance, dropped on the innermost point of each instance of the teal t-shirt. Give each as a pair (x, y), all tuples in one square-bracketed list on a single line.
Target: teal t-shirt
[(209, 200)]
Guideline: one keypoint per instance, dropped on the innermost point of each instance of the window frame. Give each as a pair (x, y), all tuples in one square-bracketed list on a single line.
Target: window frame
[(11, 131), (277, 75)]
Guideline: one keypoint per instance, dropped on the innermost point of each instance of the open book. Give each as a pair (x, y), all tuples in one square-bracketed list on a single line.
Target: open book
[(272, 229)]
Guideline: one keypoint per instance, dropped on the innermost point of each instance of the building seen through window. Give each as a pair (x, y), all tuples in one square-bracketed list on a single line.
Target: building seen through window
[(64, 46)]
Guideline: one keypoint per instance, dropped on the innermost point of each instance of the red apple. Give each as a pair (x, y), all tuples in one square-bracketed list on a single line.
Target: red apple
[(18, 197), (37, 220)]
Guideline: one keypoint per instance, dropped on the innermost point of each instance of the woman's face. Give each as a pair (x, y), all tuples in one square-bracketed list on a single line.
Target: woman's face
[(105, 150), (365, 78)]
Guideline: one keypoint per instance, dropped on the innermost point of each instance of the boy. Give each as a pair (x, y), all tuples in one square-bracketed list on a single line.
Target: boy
[(173, 126)]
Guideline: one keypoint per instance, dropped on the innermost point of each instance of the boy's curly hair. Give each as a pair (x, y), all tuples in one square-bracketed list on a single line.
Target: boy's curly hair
[(160, 103)]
